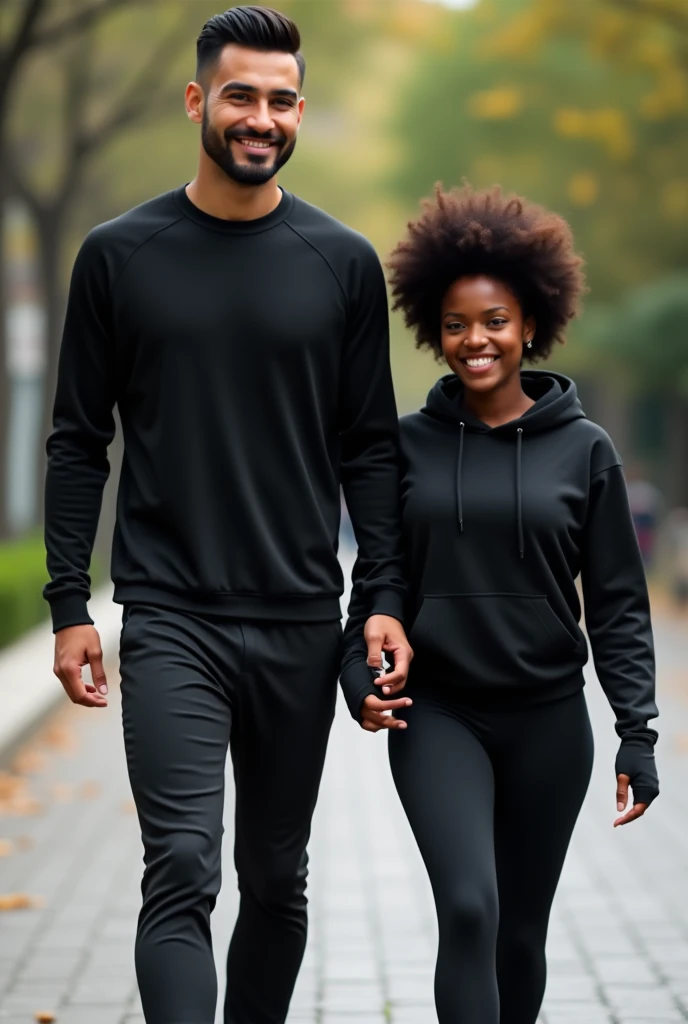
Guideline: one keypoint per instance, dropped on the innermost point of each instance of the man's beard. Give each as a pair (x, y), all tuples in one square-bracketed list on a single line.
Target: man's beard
[(220, 150)]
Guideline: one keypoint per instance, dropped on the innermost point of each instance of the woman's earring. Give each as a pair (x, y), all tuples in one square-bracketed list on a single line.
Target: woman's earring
[(529, 344)]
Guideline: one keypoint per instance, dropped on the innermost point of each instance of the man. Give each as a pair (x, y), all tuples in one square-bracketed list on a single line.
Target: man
[(243, 336)]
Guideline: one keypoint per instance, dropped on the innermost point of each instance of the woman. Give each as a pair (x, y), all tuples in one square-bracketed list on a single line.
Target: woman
[(509, 494)]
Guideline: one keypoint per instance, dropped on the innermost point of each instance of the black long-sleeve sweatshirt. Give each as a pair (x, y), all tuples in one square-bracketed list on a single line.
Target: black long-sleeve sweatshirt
[(498, 524), (249, 361)]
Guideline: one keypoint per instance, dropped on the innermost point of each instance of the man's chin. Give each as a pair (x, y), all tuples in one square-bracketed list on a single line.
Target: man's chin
[(251, 174)]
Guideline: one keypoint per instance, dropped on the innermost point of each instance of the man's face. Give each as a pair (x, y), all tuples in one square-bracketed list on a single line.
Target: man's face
[(252, 113)]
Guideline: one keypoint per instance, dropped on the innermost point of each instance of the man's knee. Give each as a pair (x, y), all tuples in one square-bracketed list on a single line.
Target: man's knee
[(277, 883), (185, 861)]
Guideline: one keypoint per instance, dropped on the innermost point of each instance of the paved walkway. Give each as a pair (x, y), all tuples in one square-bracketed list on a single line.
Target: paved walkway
[(618, 950)]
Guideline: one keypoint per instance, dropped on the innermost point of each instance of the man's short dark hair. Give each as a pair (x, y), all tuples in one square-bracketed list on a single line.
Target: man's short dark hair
[(256, 28)]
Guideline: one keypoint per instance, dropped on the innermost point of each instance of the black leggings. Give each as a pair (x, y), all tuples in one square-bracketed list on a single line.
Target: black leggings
[(191, 688), (492, 798)]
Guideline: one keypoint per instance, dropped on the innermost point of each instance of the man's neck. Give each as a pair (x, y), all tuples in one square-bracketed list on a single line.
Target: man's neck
[(216, 194)]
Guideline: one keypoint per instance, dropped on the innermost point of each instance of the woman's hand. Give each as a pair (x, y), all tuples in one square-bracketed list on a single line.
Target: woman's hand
[(376, 713), (636, 811)]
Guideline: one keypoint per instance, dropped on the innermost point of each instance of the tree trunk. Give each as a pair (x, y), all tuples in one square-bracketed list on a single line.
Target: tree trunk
[(4, 384), (612, 413), (676, 472), (50, 230)]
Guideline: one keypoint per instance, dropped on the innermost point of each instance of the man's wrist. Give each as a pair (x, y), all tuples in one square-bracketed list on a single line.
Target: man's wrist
[(70, 610), (387, 602)]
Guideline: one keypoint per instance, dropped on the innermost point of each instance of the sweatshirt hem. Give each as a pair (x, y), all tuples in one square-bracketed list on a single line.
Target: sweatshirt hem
[(516, 697), (282, 608)]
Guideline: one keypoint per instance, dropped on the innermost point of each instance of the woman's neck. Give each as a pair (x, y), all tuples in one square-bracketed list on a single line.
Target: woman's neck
[(499, 406)]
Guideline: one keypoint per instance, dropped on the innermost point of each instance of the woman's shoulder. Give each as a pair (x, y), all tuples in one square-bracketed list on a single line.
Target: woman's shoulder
[(415, 427), (601, 448)]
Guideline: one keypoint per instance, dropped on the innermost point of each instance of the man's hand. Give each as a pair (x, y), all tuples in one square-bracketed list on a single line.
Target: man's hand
[(376, 713), (383, 633), (636, 811), (75, 647)]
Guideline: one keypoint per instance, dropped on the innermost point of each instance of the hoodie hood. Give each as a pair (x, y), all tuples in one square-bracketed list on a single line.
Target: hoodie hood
[(555, 397), (556, 403)]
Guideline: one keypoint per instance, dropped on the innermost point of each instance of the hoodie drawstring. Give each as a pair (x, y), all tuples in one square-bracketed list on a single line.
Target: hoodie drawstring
[(459, 468), (519, 490), (519, 502)]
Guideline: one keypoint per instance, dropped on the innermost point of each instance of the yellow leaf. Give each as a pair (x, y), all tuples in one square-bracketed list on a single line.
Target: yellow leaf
[(674, 199), (495, 104), (583, 188)]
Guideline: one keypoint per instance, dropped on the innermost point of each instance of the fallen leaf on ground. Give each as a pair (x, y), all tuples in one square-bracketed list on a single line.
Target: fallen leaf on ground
[(24, 842), (62, 792), (15, 796), (59, 737), (129, 807), (29, 762), (89, 789), (45, 1017), (18, 901), (6, 847)]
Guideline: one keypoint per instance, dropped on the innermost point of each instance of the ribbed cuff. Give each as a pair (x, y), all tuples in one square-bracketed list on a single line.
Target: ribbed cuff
[(387, 602), (71, 610), (636, 759), (357, 682), (644, 795)]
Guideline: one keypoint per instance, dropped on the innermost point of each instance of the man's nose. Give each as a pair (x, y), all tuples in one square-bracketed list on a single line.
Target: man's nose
[(261, 119)]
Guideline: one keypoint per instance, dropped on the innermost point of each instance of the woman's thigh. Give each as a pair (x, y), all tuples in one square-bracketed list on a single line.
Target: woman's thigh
[(541, 780), (445, 781)]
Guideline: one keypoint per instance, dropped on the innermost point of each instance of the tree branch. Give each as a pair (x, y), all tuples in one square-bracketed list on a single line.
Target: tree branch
[(77, 23), (668, 13), (12, 53), (143, 98), (17, 184)]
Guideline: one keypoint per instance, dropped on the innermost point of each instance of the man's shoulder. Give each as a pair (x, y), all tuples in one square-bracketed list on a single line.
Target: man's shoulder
[(334, 238), (119, 237)]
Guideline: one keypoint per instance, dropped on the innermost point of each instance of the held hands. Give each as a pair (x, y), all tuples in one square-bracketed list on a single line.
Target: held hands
[(384, 633), (75, 647), (636, 811)]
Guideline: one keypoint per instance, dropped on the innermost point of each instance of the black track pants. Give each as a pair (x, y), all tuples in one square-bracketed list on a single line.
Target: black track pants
[(191, 686), (492, 798)]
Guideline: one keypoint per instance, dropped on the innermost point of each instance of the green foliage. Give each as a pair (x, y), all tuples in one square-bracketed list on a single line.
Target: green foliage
[(646, 336), (22, 578), (583, 107)]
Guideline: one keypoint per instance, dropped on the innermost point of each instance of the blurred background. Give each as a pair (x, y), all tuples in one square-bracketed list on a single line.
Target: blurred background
[(582, 106)]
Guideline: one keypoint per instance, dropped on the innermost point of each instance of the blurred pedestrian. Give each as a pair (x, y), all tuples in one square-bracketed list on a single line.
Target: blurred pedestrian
[(646, 505), (508, 493), (243, 335)]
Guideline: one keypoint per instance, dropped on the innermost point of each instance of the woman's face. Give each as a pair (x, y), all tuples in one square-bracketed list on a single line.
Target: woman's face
[(483, 332)]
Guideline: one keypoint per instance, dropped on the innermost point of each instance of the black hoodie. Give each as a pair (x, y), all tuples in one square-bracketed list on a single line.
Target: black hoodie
[(498, 524)]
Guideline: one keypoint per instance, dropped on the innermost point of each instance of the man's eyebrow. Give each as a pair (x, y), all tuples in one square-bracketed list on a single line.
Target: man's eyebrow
[(245, 87)]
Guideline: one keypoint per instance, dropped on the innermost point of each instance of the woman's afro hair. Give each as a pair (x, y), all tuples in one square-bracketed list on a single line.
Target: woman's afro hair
[(467, 232)]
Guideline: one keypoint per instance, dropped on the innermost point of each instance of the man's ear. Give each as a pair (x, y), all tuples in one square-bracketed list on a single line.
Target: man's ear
[(194, 99)]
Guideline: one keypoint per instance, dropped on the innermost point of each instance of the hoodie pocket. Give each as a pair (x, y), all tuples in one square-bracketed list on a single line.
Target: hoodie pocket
[(495, 639)]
